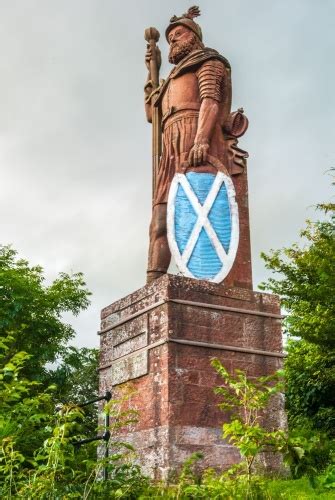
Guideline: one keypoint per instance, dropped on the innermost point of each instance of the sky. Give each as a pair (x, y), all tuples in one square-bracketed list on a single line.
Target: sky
[(75, 148)]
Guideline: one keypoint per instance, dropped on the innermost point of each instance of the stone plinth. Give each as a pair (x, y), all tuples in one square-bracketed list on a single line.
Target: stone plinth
[(162, 338)]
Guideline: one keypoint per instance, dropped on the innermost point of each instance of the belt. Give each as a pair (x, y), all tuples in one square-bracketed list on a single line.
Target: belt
[(185, 106)]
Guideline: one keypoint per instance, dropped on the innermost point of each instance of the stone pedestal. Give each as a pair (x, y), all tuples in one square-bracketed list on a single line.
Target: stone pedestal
[(162, 338)]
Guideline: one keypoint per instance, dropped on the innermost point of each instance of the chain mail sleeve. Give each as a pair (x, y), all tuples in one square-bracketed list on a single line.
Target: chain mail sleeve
[(211, 76)]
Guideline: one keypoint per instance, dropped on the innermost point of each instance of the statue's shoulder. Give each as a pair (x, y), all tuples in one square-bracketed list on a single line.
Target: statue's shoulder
[(197, 58), (192, 62), (214, 54)]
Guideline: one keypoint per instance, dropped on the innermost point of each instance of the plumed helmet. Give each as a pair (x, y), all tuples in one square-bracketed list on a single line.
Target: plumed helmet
[(186, 20)]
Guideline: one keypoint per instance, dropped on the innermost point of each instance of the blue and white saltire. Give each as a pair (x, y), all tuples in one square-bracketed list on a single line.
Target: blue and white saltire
[(203, 224)]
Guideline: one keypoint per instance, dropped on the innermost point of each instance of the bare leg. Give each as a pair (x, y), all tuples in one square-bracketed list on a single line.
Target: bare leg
[(159, 252)]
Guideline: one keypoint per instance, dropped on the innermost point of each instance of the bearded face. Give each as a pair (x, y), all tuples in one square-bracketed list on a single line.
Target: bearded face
[(181, 46)]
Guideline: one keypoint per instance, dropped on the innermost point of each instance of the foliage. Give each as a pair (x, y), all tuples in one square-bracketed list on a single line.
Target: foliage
[(31, 312), (307, 281), (246, 399), (60, 468), (77, 375), (298, 489), (310, 387), (188, 475), (31, 321), (39, 452), (308, 451), (76, 378), (327, 480), (303, 449), (25, 407), (228, 487)]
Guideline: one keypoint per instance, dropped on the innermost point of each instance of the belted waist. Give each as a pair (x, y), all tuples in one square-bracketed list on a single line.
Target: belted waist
[(184, 106)]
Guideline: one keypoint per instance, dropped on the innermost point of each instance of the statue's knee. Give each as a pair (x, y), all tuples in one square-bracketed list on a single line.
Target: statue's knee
[(157, 229)]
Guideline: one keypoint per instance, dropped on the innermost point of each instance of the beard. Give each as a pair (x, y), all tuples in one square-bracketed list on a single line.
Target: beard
[(179, 50)]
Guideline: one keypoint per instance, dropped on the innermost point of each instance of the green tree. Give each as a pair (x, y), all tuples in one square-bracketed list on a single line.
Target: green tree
[(33, 334), (310, 393), (305, 281), (77, 375), (55, 467), (31, 311), (246, 399), (39, 457), (77, 381), (26, 409)]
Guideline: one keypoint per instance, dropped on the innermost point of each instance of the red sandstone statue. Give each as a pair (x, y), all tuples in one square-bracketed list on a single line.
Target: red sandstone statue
[(191, 110)]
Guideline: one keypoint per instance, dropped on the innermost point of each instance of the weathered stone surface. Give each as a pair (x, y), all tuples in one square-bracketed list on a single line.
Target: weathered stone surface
[(174, 381), (164, 449), (130, 345), (129, 368)]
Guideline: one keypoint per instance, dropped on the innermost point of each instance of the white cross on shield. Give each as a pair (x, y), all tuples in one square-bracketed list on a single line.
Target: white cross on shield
[(202, 211)]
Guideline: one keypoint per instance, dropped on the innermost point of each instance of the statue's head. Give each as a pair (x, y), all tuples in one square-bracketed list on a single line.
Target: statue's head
[(184, 35)]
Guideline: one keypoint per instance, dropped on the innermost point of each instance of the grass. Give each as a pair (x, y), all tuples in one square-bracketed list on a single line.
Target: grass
[(275, 489), (297, 489)]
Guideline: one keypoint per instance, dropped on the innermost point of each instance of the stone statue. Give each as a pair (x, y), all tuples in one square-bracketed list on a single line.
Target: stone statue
[(191, 115)]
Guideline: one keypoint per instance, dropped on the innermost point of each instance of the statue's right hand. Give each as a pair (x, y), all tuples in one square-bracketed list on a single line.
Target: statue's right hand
[(149, 56)]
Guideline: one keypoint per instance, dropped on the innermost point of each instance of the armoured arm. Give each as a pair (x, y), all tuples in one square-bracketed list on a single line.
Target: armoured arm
[(211, 83), (208, 114)]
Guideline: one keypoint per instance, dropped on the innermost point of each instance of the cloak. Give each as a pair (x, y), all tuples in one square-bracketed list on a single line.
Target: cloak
[(192, 60)]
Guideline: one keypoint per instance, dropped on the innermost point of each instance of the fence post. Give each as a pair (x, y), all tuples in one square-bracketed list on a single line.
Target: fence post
[(108, 397), (106, 435)]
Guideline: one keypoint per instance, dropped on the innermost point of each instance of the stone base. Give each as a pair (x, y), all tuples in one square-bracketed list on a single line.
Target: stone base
[(162, 338)]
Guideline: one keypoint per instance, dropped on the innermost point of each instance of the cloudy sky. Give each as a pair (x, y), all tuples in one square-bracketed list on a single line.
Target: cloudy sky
[(75, 147)]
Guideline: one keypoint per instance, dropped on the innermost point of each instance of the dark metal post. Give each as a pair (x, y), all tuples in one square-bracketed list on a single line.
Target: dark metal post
[(108, 397), (106, 435)]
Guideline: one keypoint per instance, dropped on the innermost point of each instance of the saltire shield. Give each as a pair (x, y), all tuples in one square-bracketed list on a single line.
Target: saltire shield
[(203, 223)]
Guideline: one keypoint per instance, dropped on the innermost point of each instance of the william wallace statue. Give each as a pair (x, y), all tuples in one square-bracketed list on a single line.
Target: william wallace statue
[(191, 113)]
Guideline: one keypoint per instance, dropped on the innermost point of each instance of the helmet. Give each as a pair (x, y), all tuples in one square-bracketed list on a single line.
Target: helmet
[(187, 21)]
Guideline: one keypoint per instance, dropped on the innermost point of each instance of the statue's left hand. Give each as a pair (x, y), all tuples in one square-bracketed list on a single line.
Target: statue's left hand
[(198, 154)]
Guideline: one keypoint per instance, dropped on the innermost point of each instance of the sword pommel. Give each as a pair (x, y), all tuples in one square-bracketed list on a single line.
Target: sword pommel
[(151, 34)]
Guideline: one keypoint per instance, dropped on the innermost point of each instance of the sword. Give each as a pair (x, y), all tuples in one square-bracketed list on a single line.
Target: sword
[(151, 35)]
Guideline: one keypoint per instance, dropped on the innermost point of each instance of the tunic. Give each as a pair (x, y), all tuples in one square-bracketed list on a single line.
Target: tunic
[(200, 75)]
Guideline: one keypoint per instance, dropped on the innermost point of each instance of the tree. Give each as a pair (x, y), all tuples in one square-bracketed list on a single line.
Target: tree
[(32, 334), (77, 381), (31, 312), (306, 285), (77, 375), (26, 409), (39, 453), (246, 399), (310, 386)]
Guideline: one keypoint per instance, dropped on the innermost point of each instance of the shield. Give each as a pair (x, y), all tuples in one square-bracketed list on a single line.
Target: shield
[(203, 223)]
